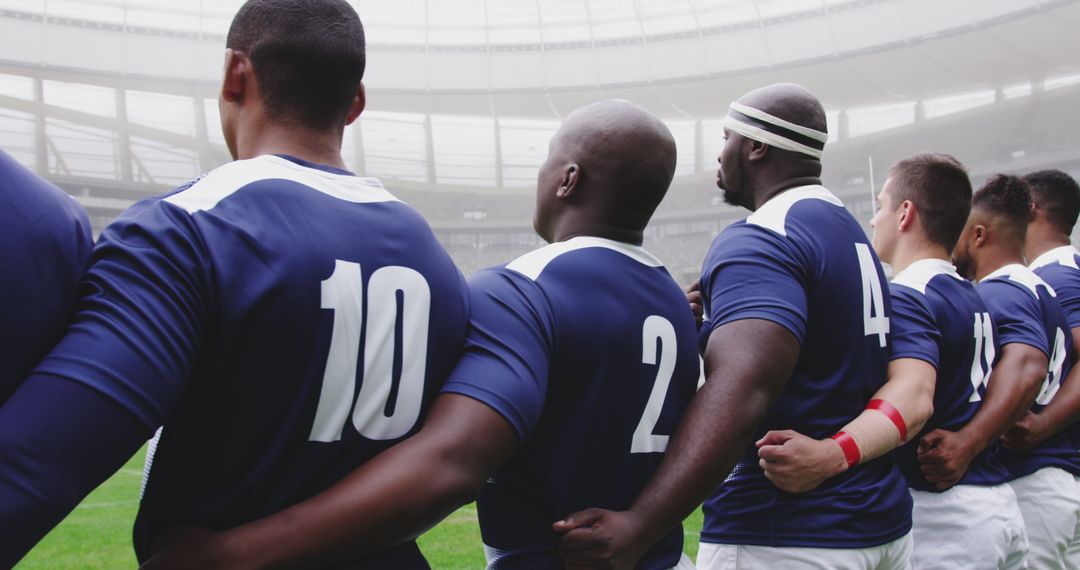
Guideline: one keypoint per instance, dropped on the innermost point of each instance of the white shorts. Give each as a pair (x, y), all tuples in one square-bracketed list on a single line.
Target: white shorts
[(968, 527), (1049, 500), (895, 555)]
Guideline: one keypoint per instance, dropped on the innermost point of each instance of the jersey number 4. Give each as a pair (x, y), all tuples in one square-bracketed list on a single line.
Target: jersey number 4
[(343, 293), (656, 328), (874, 320)]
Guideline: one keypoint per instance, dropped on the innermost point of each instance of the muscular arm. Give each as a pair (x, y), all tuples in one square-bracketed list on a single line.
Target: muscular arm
[(1013, 385), (797, 463), (390, 499), (1064, 410), (747, 364), (59, 440)]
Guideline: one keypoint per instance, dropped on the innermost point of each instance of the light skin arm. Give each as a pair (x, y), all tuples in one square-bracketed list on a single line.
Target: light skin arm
[(747, 363), (1033, 429), (944, 455), (388, 500), (797, 463)]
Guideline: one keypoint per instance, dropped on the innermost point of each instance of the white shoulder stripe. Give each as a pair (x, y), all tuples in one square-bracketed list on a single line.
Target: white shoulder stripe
[(919, 274), (222, 182), (1022, 275), (532, 264), (1064, 255), (773, 215)]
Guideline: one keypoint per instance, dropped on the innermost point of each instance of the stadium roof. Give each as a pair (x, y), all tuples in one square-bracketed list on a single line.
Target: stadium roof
[(542, 58), (466, 93)]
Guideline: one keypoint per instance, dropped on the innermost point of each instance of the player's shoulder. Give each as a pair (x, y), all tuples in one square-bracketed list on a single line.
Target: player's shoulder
[(804, 205), (582, 252), (51, 206), (1059, 265), (1018, 277), (926, 275), (272, 171)]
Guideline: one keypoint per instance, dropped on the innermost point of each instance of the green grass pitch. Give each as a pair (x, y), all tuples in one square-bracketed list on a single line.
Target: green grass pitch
[(97, 534)]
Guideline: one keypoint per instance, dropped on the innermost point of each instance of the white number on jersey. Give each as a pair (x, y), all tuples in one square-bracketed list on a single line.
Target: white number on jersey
[(984, 354), (655, 328), (1053, 378), (343, 293), (873, 298)]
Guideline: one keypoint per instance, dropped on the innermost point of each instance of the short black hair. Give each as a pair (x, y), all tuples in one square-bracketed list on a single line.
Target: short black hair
[(1057, 194), (1007, 198), (939, 186), (308, 57)]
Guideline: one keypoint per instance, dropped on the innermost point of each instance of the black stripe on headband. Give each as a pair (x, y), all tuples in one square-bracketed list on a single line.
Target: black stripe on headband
[(777, 130)]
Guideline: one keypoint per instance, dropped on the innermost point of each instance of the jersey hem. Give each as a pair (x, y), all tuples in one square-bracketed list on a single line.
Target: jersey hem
[(805, 541)]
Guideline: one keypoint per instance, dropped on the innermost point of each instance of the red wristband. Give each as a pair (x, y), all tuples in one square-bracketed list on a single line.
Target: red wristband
[(892, 413), (849, 447)]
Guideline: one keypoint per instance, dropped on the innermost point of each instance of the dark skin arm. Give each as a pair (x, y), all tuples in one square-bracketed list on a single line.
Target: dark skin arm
[(1064, 410), (697, 304), (747, 364), (391, 499), (944, 455)]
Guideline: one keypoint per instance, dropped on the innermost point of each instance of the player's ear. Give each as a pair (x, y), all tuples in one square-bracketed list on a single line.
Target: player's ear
[(979, 235), (907, 215), (569, 183), (233, 85), (758, 150), (357, 105)]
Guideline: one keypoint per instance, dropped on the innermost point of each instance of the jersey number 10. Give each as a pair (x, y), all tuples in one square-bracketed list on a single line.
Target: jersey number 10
[(344, 294)]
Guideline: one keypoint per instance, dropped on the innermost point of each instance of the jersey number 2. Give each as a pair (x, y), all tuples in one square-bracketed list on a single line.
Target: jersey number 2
[(343, 293), (655, 328)]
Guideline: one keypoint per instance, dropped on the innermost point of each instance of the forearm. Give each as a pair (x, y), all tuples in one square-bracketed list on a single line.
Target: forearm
[(386, 502), (59, 440), (1064, 409), (718, 426), (391, 499), (910, 395), (1010, 392), (700, 454)]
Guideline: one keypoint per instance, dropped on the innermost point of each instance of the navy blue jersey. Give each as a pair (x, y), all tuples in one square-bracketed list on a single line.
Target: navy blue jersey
[(803, 262), (1060, 268), (587, 348), (1025, 310), (45, 248), (285, 321), (939, 318)]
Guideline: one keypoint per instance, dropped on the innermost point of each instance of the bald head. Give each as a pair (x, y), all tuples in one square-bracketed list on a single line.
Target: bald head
[(623, 144), (788, 101), (619, 159)]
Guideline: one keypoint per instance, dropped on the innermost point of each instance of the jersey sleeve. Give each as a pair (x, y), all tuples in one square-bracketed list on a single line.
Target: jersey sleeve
[(143, 306), (1016, 313), (508, 349), (59, 441), (915, 333), (1067, 286), (753, 273)]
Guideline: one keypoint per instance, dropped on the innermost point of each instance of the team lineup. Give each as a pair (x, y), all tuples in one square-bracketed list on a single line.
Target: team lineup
[(322, 385)]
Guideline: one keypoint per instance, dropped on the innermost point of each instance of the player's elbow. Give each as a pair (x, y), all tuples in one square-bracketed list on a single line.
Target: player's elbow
[(461, 486), (1033, 373)]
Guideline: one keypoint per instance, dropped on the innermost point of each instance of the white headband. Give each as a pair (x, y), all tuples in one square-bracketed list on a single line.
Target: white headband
[(760, 126)]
